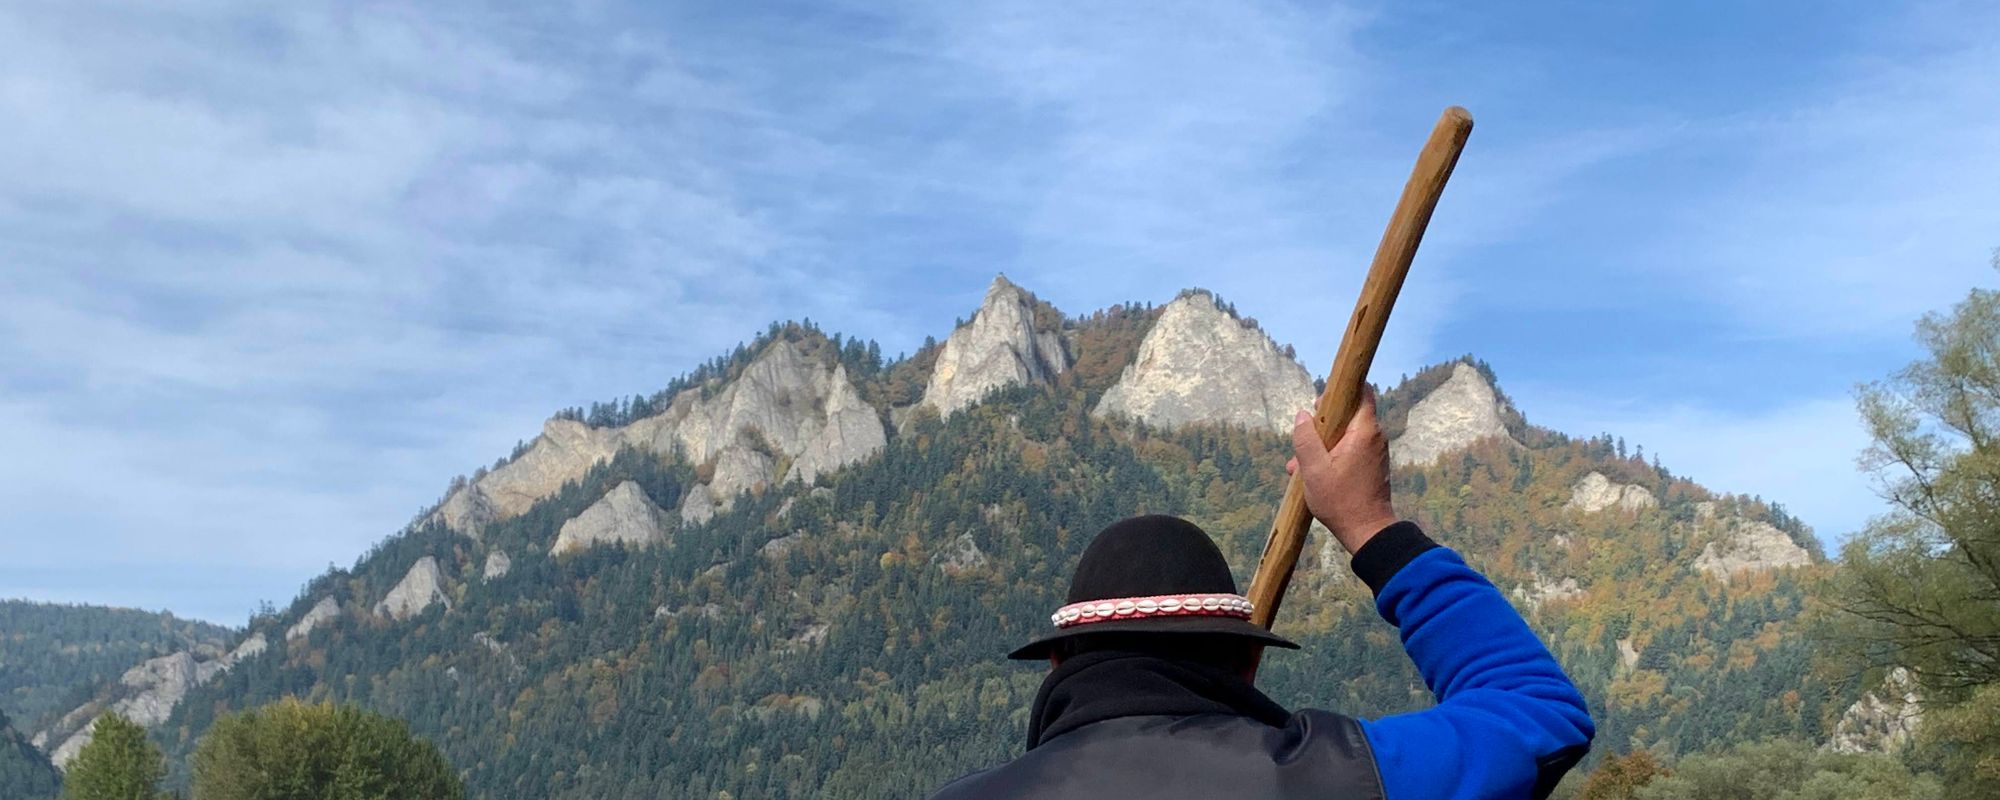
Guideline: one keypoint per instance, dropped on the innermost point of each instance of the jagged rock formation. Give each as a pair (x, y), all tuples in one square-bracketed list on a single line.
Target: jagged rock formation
[(698, 507), (324, 610), (145, 694), (960, 555), (625, 515), (797, 405), (1456, 414), (422, 586), (497, 566), (1541, 590), (1882, 721), (998, 348), (1746, 546), (1594, 493), (1199, 364), (253, 646), (1628, 656)]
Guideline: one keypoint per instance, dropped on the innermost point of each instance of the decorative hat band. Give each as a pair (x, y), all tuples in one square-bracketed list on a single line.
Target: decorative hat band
[(1169, 605)]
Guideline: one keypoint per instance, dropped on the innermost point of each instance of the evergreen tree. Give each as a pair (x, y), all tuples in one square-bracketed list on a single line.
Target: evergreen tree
[(119, 763), (25, 774), (291, 750)]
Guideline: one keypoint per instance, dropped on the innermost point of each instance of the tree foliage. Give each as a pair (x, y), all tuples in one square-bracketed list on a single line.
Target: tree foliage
[(1789, 770), (1619, 777), (291, 750), (119, 763), (25, 774), (1920, 587)]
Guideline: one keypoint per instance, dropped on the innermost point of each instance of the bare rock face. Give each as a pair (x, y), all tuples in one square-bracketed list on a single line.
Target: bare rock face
[(625, 515), (323, 611), (698, 507), (1199, 364), (1882, 721), (851, 431), (739, 469), (252, 646), (961, 555), (1745, 546), (998, 348), (421, 587), (1628, 656), (1540, 590), (145, 694), (1594, 493), (1461, 411), (497, 566), (805, 409)]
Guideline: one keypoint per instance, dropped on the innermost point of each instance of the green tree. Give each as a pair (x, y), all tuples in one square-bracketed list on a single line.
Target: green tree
[(1789, 770), (119, 763), (1920, 587), (291, 750), (24, 772)]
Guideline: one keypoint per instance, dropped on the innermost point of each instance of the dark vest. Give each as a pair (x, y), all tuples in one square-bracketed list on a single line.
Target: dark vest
[(1108, 726)]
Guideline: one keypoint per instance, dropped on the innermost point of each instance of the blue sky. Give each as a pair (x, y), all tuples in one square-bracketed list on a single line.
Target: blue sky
[(270, 274)]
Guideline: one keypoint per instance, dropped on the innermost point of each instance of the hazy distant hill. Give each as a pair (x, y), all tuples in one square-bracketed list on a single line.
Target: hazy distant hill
[(795, 571), (52, 654)]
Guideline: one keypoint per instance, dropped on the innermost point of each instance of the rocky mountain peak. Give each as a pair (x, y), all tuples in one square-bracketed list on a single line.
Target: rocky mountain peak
[(797, 403), (1200, 364), (1461, 411), (998, 348), (625, 515)]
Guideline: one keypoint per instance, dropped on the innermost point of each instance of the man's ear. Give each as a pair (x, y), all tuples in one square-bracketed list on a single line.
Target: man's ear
[(1256, 660), (1054, 661)]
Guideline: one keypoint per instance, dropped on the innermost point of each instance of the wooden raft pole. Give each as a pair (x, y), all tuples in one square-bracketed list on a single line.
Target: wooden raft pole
[(1357, 348)]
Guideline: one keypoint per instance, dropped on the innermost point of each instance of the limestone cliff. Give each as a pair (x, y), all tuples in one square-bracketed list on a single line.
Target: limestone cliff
[(1199, 364), (1882, 721), (1594, 492), (802, 407), (322, 611), (998, 348), (1462, 411), (625, 515), (145, 694), (1741, 545), (497, 566), (421, 587)]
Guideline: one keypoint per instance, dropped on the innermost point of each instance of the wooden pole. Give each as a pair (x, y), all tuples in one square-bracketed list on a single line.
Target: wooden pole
[(1357, 348)]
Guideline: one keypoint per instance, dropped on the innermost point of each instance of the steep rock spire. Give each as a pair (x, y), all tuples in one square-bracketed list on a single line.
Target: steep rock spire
[(998, 348), (1199, 364)]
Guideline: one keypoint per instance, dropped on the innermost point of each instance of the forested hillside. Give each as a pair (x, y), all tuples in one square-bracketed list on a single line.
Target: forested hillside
[(840, 633), (54, 655)]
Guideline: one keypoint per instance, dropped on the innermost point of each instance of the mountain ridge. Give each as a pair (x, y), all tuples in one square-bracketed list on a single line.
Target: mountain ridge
[(893, 580)]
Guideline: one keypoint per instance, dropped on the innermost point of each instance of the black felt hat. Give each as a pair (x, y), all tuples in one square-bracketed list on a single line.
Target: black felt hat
[(1147, 575)]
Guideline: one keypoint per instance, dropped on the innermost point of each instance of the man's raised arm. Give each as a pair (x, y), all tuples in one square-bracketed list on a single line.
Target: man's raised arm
[(1508, 722)]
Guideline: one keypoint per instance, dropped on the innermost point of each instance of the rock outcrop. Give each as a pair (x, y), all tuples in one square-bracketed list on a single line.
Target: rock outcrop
[(419, 589), (998, 348), (1461, 411), (1594, 493), (1745, 546), (497, 566), (699, 506), (145, 694), (1882, 721), (323, 611), (625, 515), (252, 646), (1199, 364), (1540, 590), (798, 405), (960, 555)]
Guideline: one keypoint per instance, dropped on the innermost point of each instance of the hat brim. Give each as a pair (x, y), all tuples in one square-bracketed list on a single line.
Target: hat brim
[(1229, 626)]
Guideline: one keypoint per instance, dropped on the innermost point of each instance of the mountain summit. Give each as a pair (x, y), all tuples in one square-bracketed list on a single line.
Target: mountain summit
[(749, 582)]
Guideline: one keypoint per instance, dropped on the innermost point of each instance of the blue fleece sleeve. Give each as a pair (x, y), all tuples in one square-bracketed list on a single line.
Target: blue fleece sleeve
[(1508, 723)]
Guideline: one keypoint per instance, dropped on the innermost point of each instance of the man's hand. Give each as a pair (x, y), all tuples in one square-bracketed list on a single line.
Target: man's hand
[(1347, 488)]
